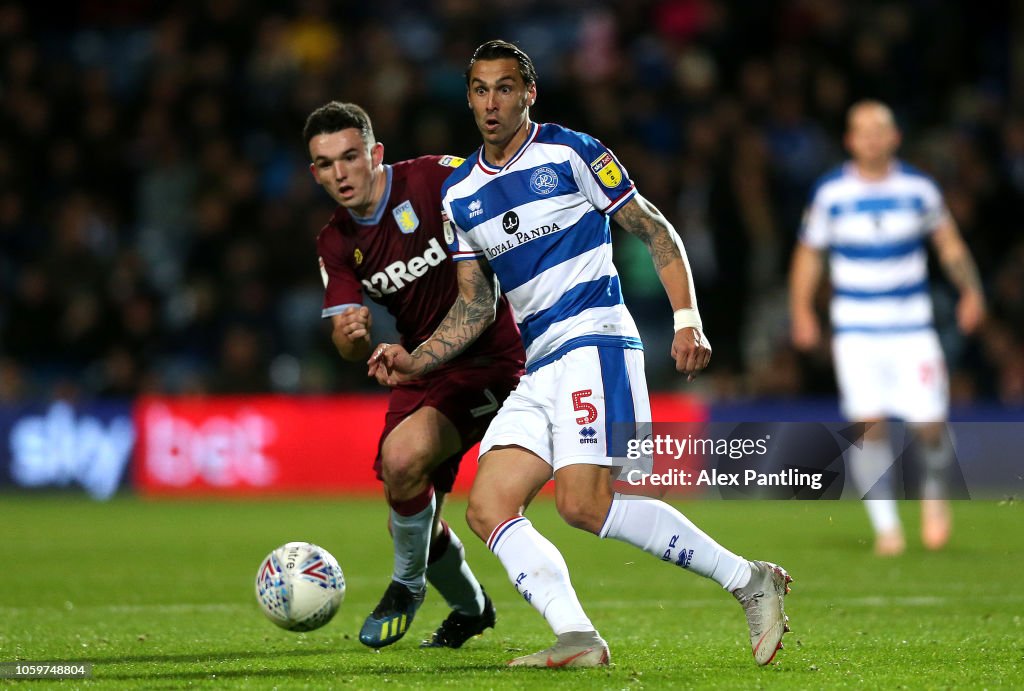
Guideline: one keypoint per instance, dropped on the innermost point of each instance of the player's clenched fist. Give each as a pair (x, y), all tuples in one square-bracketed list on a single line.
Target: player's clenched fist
[(691, 350), (355, 323), (350, 332)]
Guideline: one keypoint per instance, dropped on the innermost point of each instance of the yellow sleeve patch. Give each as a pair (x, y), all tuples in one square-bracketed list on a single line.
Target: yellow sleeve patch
[(451, 161), (607, 170)]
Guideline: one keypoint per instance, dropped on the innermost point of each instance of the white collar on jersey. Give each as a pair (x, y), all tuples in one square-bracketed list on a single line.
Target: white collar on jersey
[(491, 170), (850, 169)]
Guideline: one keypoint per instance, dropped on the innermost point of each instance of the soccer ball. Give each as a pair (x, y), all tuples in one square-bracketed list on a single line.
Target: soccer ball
[(300, 586)]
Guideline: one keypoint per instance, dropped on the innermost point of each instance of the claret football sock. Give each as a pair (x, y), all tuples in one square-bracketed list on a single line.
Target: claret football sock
[(664, 532), (449, 573), (538, 572), (411, 524)]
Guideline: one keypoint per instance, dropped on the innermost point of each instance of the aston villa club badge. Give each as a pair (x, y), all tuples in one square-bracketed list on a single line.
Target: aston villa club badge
[(405, 217)]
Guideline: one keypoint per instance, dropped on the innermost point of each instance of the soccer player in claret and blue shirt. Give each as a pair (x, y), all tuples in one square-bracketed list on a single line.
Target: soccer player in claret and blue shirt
[(872, 216), (531, 207), (385, 240)]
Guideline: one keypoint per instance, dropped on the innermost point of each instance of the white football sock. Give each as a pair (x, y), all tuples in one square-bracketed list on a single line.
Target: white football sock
[(411, 535), (539, 573), (451, 575), (658, 529), (868, 464)]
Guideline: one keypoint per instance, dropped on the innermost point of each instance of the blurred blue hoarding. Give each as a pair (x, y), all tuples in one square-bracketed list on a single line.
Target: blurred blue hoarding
[(59, 445)]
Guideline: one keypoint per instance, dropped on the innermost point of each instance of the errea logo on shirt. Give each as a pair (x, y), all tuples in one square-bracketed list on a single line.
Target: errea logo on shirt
[(399, 274)]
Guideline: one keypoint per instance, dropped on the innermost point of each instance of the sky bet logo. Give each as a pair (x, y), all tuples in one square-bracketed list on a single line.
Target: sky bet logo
[(588, 435)]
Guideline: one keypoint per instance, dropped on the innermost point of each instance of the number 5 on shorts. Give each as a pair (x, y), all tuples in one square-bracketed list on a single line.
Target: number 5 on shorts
[(579, 405)]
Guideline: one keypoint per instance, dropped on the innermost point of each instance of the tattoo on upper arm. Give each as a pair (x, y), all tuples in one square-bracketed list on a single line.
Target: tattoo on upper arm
[(643, 220), (471, 313)]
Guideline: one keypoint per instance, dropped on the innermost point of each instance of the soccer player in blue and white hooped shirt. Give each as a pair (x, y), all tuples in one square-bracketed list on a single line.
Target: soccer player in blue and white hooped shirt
[(531, 208), (872, 216)]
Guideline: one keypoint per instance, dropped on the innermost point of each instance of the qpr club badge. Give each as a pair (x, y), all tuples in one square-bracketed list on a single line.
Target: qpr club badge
[(406, 217), (544, 180)]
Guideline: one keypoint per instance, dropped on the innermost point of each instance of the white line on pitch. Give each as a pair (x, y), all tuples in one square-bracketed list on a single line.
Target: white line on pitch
[(683, 602)]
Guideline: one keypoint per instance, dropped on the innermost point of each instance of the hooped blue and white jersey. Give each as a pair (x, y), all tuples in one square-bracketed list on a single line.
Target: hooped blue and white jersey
[(875, 232), (542, 223)]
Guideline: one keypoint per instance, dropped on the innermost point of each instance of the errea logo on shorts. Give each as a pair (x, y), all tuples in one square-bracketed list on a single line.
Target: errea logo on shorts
[(399, 274)]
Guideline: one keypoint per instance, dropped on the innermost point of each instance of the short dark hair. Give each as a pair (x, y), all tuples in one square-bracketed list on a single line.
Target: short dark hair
[(336, 116), (497, 49)]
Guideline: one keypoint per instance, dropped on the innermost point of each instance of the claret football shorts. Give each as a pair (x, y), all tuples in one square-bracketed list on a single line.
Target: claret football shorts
[(468, 395)]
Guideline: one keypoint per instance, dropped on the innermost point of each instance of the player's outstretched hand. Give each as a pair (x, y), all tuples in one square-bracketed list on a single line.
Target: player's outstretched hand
[(390, 364), (691, 351)]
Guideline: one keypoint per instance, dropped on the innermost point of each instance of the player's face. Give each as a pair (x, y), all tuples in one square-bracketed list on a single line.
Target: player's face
[(347, 168), (499, 98), (872, 137)]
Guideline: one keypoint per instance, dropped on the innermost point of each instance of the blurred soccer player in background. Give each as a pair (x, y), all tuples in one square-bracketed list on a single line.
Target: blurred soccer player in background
[(872, 215), (532, 208), (385, 240)]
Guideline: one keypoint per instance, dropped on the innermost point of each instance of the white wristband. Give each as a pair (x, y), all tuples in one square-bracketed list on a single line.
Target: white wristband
[(687, 318)]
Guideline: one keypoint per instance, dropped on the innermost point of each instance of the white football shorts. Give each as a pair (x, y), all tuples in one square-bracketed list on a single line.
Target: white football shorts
[(892, 375), (567, 411)]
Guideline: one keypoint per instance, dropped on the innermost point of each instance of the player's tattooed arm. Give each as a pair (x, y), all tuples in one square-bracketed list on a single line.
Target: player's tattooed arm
[(642, 219), (690, 347), (473, 311), (961, 270)]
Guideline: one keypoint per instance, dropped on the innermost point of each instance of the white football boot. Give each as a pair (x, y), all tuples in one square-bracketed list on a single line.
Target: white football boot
[(573, 649), (762, 600)]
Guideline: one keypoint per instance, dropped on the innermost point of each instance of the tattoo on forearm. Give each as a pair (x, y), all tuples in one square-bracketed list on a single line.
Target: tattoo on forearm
[(962, 271), (654, 231), (465, 321)]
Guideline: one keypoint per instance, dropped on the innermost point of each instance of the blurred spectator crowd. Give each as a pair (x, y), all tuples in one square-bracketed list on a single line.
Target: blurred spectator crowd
[(157, 218)]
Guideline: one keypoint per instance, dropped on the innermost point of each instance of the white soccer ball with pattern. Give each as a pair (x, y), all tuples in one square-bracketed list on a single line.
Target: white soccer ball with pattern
[(300, 586)]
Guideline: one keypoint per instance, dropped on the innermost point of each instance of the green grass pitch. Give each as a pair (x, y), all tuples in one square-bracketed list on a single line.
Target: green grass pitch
[(159, 594)]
